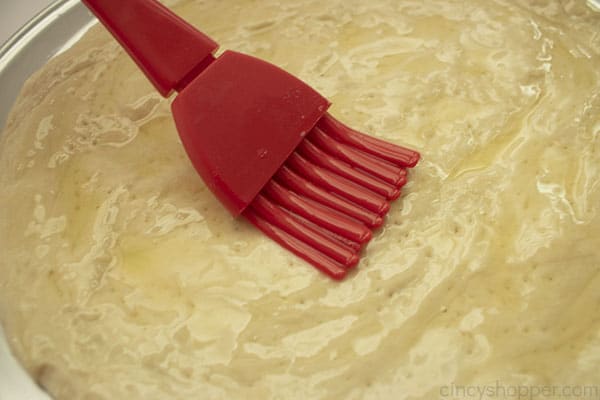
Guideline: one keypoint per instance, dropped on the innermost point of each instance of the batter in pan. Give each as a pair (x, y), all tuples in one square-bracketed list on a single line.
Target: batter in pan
[(121, 277)]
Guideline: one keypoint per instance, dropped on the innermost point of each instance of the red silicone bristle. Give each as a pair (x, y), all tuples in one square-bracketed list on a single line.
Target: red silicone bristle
[(301, 249), (339, 185), (320, 241), (319, 214), (311, 152), (330, 194), (395, 154), (380, 168), (305, 188)]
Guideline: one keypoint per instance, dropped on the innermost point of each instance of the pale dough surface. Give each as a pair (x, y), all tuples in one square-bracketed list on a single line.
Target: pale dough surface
[(121, 277)]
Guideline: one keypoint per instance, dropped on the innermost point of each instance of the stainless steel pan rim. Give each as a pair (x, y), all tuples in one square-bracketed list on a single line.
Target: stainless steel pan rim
[(52, 31)]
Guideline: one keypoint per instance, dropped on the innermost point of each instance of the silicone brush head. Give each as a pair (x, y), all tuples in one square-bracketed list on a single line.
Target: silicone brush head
[(262, 139), (263, 143), (332, 192)]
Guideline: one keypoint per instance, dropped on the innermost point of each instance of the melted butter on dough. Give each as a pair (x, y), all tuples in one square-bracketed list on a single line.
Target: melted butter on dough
[(122, 277)]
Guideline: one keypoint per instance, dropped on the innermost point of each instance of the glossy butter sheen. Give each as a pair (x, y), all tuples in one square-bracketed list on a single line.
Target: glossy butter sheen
[(122, 277)]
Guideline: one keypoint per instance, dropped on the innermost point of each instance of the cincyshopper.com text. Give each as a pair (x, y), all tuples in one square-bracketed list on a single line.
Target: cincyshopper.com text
[(520, 392)]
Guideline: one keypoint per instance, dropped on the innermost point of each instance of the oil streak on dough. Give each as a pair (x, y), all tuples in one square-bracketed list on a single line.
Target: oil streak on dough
[(121, 277)]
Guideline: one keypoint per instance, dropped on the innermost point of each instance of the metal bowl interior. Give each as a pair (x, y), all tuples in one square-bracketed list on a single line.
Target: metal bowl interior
[(51, 32)]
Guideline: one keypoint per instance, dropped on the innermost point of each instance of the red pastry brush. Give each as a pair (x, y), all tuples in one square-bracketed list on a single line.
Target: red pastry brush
[(263, 141)]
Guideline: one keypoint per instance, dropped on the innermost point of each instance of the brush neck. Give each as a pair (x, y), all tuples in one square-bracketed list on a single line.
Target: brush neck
[(167, 49)]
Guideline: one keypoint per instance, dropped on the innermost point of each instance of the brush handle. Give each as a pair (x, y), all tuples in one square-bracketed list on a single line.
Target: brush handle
[(168, 50)]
